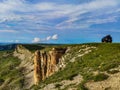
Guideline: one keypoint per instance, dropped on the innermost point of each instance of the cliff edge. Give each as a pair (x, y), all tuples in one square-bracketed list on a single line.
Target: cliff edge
[(46, 63)]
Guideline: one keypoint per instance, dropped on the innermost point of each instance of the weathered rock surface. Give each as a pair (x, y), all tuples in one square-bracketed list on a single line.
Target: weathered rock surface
[(27, 65), (45, 63), (68, 84), (112, 83)]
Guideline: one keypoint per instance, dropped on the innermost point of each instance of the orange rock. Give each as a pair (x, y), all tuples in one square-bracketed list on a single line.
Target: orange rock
[(45, 64), (37, 67)]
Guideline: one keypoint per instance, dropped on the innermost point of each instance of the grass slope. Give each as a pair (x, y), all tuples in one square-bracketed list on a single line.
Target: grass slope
[(10, 75), (103, 58)]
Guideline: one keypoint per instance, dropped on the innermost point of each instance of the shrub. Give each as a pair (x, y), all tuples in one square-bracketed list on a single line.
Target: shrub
[(113, 71), (81, 86), (108, 66), (72, 76), (1, 81), (57, 85), (100, 77), (88, 76)]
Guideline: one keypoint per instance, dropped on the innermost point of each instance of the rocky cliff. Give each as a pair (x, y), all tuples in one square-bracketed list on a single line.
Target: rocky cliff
[(39, 65), (26, 64), (47, 63)]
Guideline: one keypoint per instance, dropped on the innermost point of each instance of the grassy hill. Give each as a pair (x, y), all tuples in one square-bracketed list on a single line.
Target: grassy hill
[(10, 75), (102, 59), (84, 63)]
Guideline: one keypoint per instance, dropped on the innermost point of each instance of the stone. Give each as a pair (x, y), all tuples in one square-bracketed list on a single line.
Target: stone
[(45, 63)]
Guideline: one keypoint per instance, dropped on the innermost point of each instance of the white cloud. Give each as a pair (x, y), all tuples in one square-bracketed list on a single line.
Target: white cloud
[(52, 10), (16, 41), (12, 41), (92, 11), (54, 37), (8, 31), (76, 15), (48, 38), (36, 40)]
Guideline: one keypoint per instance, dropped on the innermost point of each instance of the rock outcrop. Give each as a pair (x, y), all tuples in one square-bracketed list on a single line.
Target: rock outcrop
[(45, 63), (26, 64)]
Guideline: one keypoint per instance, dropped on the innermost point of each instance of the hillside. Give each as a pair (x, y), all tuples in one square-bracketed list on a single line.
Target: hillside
[(10, 74), (7, 46), (86, 67)]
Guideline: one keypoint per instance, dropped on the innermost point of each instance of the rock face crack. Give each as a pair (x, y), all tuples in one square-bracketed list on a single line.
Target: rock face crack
[(45, 63)]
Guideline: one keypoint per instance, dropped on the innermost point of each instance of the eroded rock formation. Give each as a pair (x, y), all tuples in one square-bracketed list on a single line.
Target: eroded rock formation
[(45, 63), (26, 64)]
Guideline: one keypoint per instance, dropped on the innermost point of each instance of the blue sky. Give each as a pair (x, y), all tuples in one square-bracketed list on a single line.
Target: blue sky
[(59, 21)]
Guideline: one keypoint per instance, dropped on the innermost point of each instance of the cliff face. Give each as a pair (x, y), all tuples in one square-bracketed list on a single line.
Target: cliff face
[(46, 64), (41, 64)]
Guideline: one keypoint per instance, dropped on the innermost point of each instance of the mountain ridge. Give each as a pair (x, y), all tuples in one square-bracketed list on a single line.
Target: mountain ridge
[(84, 63)]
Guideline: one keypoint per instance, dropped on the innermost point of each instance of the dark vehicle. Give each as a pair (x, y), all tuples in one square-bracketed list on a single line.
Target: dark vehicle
[(107, 39)]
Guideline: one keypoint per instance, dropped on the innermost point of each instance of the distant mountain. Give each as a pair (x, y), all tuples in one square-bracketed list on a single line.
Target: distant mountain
[(6, 43), (5, 46)]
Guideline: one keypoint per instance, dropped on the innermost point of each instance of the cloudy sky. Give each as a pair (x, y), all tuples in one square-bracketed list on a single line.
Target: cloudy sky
[(59, 21)]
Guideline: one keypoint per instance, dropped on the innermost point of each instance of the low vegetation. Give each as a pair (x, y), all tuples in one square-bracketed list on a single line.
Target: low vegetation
[(100, 77), (10, 74), (112, 71), (103, 58)]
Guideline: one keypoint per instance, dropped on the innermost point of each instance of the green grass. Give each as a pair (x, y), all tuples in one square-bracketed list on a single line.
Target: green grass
[(33, 47), (100, 77), (57, 85), (44, 47), (8, 71), (81, 86), (105, 57)]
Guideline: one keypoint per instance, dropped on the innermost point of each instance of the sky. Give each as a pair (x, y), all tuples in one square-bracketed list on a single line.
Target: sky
[(59, 21)]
